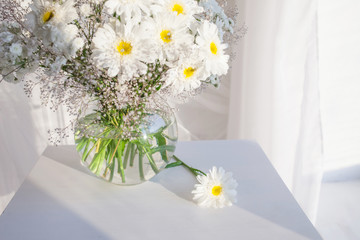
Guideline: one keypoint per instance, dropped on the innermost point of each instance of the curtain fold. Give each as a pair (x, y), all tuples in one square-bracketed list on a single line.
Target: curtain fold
[(274, 93)]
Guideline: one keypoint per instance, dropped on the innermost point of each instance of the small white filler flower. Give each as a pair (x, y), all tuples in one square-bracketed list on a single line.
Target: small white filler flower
[(217, 189), (16, 49)]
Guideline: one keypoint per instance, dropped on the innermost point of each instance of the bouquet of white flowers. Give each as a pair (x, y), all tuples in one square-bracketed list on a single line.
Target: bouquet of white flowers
[(123, 60)]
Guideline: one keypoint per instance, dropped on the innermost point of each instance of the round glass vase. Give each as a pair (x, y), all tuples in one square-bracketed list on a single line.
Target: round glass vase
[(123, 161)]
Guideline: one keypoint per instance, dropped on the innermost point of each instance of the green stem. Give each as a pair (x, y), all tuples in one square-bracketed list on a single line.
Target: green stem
[(120, 162), (112, 170), (127, 153), (150, 158), (194, 171), (132, 155), (92, 148), (141, 169), (112, 156)]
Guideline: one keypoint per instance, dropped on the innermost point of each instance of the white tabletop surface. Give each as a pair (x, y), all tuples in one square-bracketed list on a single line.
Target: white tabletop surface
[(60, 200)]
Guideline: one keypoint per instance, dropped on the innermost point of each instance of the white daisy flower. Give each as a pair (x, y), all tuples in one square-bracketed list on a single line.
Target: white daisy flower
[(217, 189), (48, 13), (188, 74), (122, 49), (172, 34), (186, 8), (211, 49), (49, 20), (129, 9)]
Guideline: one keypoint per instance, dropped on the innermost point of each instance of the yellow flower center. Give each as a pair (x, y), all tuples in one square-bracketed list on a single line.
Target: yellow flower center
[(165, 35), (188, 72), (48, 15), (216, 190), (124, 48), (213, 48), (178, 8)]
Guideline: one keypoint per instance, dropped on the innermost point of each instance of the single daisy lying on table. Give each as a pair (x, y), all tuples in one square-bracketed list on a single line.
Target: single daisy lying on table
[(216, 189)]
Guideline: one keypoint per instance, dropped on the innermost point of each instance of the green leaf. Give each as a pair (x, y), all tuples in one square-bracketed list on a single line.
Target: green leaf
[(161, 141), (174, 164), (170, 138), (94, 165), (91, 149), (163, 148), (99, 157), (85, 150), (77, 141), (80, 145)]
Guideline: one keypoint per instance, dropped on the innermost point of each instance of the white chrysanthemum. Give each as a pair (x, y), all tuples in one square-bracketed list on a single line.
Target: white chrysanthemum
[(172, 34), (188, 74), (211, 49), (49, 21), (217, 189), (48, 13), (123, 49), (129, 9), (186, 8)]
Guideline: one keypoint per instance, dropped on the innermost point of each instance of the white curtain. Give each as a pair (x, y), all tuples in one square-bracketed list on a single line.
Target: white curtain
[(272, 96), (339, 49), (275, 94)]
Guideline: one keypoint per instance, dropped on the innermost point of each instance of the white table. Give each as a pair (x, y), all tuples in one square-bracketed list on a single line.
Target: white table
[(60, 200)]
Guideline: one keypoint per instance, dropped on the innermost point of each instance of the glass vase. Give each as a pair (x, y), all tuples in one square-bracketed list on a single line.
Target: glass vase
[(126, 161)]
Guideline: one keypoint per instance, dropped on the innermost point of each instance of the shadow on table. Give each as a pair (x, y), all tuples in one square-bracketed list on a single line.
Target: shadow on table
[(254, 196), (66, 155), (176, 180), (33, 214)]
